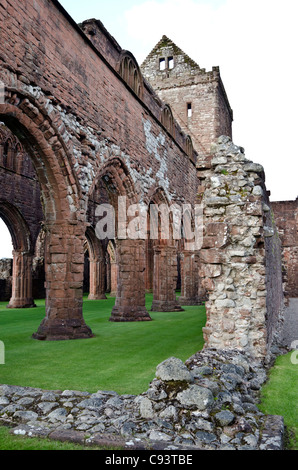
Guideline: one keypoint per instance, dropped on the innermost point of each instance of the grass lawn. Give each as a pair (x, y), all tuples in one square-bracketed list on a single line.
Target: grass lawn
[(280, 396), (121, 357)]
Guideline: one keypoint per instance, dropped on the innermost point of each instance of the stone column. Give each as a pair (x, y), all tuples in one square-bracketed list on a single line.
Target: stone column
[(189, 279), (97, 279), (149, 266), (165, 279), (22, 281), (108, 274), (64, 270), (114, 277), (130, 300)]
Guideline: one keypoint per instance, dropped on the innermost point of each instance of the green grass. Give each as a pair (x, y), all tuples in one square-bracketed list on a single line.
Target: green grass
[(121, 357), (280, 396)]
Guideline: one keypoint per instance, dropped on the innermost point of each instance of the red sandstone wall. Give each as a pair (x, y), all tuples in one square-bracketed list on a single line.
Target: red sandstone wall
[(81, 122), (286, 219), (53, 55)]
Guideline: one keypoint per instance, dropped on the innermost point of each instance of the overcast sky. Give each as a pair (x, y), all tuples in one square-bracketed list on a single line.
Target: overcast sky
[(254, 42)]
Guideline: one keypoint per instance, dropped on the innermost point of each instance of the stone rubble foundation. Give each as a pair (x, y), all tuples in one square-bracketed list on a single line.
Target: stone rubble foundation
[(207, 403)]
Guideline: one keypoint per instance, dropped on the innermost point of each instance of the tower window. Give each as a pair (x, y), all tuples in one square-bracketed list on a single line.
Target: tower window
[(162, 64), (170, 63), (189, 110)]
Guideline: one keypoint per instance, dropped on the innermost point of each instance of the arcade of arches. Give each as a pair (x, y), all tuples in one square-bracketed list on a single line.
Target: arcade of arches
[(82, 126), (155, 264)]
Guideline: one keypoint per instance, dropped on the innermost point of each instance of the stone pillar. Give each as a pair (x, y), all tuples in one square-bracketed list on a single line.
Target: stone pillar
[(22, 281), (165, 279), (130, 300), (149, 266), (108, 274), (64, 270), (97, 279), (189, 279), (114, 277)]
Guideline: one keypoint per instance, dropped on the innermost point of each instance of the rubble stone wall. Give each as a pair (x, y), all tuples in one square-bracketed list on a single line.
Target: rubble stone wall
[(210, 402), (241, 254)]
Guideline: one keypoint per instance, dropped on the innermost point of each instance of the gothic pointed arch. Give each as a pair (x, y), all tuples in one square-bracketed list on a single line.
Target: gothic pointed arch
[(34, 129), (37, 126), (130, 299), (17, 226), (161, 253), (189, 149), (167, 119), (117, 180), (129, 70), (22, 256)]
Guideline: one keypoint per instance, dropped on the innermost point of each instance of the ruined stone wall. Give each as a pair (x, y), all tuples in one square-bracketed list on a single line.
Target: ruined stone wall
[(60, 69), (286, 219), (102, 40), (81, 108), (81, 119), (240, 256)]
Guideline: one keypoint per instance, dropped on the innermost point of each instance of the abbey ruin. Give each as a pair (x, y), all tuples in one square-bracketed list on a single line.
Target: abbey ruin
[(83, 124)]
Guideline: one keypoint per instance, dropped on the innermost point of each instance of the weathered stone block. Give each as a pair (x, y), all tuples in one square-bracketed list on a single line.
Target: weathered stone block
[(199, 397), (173, 369)]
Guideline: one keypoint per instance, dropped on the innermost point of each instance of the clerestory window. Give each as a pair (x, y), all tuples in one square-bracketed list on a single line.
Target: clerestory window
[(130, 72), (189, 147), (167, 119)]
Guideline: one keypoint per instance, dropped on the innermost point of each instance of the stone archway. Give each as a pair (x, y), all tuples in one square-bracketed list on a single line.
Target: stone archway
[(21, 296), (64, 222), (130, 297), (164, 251)]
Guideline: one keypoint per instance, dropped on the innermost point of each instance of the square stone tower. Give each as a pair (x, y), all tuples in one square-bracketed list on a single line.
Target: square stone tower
[(197, 98)]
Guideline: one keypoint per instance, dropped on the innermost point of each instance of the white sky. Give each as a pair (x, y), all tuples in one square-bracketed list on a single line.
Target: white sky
[(254, 42)]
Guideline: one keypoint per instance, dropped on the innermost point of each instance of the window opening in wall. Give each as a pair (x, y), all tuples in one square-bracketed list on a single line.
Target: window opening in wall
[(189, 110), (162, 64), (129, 72), (170, 63)]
